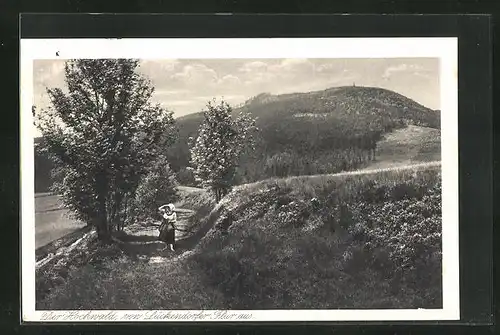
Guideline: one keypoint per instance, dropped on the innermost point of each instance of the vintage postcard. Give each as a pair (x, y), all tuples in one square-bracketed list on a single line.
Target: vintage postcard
[(273, 179)]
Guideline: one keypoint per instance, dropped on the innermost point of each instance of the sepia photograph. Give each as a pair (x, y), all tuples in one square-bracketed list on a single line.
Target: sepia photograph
[(300, 184)]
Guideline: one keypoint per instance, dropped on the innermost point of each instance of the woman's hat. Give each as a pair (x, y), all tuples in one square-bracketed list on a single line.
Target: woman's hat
[(171, 206)]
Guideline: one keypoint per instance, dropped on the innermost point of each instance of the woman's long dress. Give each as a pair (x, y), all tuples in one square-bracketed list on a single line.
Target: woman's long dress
[(167, 231)]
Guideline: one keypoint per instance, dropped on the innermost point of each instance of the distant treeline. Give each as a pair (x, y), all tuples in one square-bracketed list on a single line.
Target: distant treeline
[(43, 169)]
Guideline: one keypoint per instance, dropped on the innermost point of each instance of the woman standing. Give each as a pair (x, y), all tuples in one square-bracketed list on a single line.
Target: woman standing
[(167, 227)]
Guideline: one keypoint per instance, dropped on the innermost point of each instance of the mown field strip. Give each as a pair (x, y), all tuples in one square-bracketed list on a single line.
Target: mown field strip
[(351, 173), (394, 168)]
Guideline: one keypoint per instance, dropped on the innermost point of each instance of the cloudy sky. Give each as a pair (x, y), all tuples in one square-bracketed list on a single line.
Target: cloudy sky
[(185, 85)]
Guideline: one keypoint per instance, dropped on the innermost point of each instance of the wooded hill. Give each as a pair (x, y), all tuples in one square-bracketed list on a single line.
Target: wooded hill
[(312, 133), (326, 131)]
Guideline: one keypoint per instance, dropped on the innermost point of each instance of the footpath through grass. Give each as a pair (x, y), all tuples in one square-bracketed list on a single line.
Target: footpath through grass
[(355, 241)]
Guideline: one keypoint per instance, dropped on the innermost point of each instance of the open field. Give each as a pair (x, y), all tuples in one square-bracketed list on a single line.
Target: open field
[(408, 146), (51, 220)]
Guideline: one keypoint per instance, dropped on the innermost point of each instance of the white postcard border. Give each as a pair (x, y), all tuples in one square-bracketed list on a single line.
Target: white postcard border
[(446, 49)]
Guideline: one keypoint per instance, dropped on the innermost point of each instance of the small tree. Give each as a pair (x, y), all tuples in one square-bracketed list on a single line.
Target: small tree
[(220, 142), (156, 188), (103, 135)]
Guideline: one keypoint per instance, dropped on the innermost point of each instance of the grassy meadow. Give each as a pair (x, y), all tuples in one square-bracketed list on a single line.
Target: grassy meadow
[(409, 145), (358, 241)]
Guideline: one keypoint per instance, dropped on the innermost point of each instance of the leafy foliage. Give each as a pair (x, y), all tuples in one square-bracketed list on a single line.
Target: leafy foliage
[(218, 147), (156, 188), (407, 225), (102, 134)]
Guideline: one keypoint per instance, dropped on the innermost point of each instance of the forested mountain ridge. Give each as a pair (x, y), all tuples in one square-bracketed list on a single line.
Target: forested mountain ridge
[(316, 132), (325, 131)]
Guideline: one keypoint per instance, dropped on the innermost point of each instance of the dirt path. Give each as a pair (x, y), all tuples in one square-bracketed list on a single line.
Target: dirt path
[(142, 242), (371, 170)]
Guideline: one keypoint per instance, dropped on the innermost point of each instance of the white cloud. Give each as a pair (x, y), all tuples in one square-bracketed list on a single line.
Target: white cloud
[(46, 73), (413, 68), (227, 97), (229, 80), (251, 67), (259, 78), (196, 74), (423, 74), (329, 68), (292, 64), (322, 68), (155, 68), (267, 75), (185, 86), (179, 102)]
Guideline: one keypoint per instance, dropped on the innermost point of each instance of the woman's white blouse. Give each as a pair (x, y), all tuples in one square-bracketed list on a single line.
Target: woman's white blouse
[(171, 217)]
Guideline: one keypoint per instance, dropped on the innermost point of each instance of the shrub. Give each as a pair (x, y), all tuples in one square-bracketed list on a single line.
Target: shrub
[(293, 213), (185, 177), (156, 188), (409, 228)]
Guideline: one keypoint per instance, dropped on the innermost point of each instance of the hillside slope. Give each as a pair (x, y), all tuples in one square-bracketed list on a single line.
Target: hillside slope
[(317, 132), (328, 131), (350, 241), (407, 146), (360, 241)]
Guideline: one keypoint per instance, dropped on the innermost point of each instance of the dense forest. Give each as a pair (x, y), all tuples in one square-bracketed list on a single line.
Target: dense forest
[(43, 168), (326, 131)]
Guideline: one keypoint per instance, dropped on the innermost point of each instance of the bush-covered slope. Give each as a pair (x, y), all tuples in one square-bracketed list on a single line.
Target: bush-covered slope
[(369, 241)]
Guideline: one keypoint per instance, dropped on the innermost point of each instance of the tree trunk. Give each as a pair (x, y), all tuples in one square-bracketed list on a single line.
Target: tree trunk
[(124, 216), (103, 232), (217, 192), (116, 209), (102, 226)]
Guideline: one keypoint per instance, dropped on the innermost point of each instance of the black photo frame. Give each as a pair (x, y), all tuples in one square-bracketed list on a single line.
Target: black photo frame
[(474, 108)]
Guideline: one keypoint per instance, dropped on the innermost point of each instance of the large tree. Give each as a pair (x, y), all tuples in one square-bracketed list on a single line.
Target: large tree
[(103, 133), (221, 141)]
